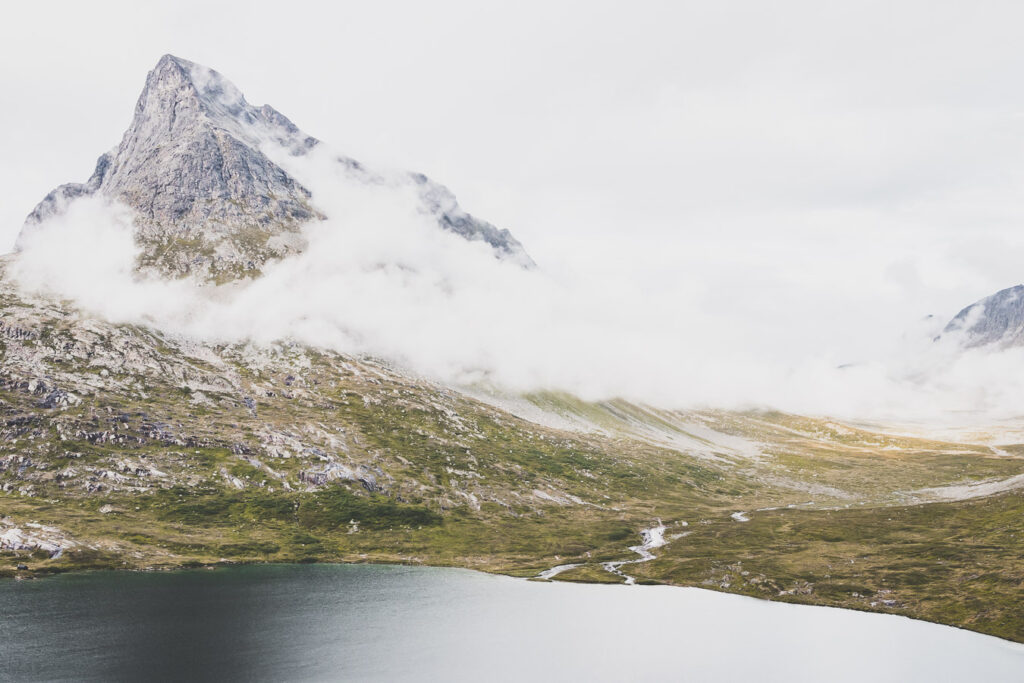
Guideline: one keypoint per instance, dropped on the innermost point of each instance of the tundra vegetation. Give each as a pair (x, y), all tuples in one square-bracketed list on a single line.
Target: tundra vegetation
[(125, 448)]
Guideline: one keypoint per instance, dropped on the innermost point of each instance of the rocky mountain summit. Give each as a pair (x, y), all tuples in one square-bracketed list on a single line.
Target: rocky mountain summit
[(127, 445), (202, 170), (996, 319)]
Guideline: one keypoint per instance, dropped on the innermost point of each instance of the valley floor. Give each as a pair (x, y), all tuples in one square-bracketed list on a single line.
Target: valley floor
[(952, 563), (125, 448)]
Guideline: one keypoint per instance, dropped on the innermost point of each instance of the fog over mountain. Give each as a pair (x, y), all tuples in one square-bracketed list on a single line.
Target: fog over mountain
[(207, 200), (701, 316), (995, 320), (743, 300), (368, 272)]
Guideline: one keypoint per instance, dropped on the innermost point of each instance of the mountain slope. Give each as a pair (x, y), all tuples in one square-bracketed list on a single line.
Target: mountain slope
[(121, 446), (997, 319), (195, 166), (126, 446)]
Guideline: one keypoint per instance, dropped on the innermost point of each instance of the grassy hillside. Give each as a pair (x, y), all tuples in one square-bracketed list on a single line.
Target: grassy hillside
[(124, 448)]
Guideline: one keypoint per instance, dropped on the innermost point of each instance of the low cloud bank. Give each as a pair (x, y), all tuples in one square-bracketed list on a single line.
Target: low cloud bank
[(646, 323)]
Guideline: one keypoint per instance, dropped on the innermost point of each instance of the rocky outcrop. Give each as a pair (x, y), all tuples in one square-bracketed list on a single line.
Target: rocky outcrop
[(32, 537), (207, 198), (440, 203)]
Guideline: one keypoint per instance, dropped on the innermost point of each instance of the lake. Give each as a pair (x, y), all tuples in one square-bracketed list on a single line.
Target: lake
[(367, 622)]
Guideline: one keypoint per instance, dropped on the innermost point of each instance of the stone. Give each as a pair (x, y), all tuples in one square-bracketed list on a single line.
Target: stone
[(207, 201)]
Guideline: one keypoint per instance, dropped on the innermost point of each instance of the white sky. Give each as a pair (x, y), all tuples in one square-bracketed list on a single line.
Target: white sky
[(827, 172)]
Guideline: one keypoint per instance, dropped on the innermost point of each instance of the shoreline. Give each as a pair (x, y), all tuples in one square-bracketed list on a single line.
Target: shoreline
[(532, 579), (647, 583)]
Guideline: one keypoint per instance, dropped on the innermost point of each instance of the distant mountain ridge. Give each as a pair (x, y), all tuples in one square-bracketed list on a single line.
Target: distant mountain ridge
[(995, 320), (208, 200)]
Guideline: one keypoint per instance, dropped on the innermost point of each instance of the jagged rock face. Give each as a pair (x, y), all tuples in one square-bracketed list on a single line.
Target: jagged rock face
[(997, 319), (207, 200), (180, 154), (440, 202)]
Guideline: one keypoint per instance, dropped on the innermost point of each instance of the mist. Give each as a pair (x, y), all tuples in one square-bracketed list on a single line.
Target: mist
[(731, 204), (805, 326)]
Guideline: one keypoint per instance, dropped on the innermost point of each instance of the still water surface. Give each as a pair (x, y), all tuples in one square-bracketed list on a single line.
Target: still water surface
[(365, 622)]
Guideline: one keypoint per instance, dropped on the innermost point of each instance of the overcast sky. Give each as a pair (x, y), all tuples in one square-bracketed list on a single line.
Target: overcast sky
[(840, 169)]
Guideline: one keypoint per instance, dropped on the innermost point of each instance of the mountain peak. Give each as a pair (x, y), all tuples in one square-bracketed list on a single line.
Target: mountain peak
[(208, 200), (173, 72), (179, 81), (169, 66), (178, 91)]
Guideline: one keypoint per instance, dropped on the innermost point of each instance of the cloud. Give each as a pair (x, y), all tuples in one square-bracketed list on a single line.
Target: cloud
[(728, 201), (788, 325)]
